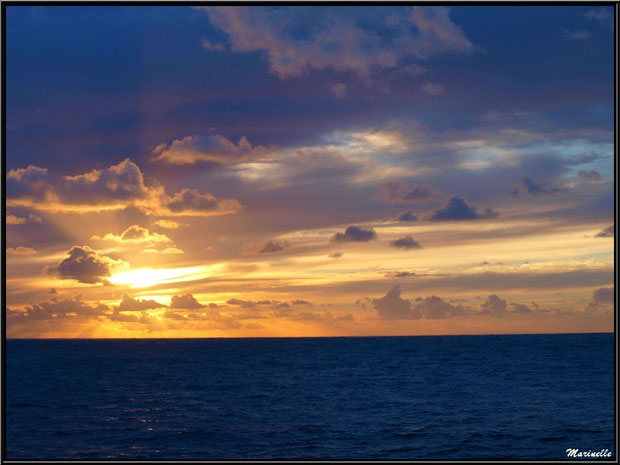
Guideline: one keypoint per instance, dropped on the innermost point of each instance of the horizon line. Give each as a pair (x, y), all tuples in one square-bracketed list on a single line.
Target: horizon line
[(297, 337)]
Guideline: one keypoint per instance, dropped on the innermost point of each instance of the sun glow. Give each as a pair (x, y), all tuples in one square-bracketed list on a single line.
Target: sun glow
[(147, 277)]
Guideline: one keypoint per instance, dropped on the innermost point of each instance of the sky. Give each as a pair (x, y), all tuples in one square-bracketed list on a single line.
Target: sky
[(254, 171)]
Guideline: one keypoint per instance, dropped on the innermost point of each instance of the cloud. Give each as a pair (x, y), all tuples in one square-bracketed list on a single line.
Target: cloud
[(31, 173), (185, 301), (392, 307), (212, 46), (250, 303), (401, 192), (437, 32), (520, 308), (534, 188), (56, 309), (457, 208), (135, 234), (123, 317), (301, 302), (582, 159), (400, 274), (406, 242), (356, 234), (117, 187), (431, 88), (167, 224), (340, 41), (192, 202), (210, 148), (131, 305), (494, 305), (273, 246), (339, 90), (326, 317), (603, 16), (602, 299), (407, 216), (434, 307), (86, 266), (20, 251), (607, 232), (604, 295), (165, 251), (120, 182), (335, 255), (590, 175), (418, 192), (12, 219), (578, 35)]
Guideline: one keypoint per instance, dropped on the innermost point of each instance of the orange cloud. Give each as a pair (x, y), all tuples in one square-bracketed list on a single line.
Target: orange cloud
[(20, 251), (117, 187), (135, 234)]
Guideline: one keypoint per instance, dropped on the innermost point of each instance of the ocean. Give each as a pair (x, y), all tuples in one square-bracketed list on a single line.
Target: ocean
[(378, 398)]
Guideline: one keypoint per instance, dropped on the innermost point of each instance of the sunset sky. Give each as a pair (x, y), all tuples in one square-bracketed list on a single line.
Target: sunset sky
[(309, 171)]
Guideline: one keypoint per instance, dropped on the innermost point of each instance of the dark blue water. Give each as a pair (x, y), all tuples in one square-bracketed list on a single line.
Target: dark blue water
[(460, 397)]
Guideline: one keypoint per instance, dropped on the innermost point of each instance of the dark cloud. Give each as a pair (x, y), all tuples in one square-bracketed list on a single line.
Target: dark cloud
[(407, 216), (301, 302), (86, 266), (131, 305), (273, 246), (327, 317), (406, 242), (241, 303), (434, 307), (419, 193), (212, 148), (534, 188), (590, 175), (335, 255), (13, 219), (30, 182), (121, 182), (400, 274), (345, 42), (457, 208), (607, 232), (57, 309), (520, 308), (582, 159), (604, 295), (191, 201), (402, 192), (494, 305), (250, 303), (118, 186), (392, 307), (185, 301), (356, 234), (601, 301)]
